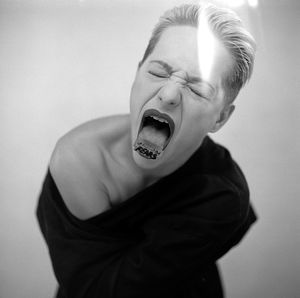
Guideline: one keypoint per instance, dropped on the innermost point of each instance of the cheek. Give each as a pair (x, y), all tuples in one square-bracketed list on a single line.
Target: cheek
[(145, 89), (197, 110), (136, 98), (201, 118)]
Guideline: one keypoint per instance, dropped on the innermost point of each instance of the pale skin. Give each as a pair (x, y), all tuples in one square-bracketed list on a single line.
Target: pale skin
[(95, 167)]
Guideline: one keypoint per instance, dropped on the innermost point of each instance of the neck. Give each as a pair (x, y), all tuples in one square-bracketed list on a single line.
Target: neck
[(138, 166)]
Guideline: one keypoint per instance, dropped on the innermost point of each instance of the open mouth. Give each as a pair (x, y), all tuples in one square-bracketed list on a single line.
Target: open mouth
[(155, 132)]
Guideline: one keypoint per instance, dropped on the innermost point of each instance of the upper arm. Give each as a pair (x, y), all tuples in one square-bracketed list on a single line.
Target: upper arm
[(74, 174), (150, 256)]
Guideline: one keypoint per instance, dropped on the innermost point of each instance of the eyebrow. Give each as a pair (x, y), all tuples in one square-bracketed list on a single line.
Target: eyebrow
[(165, 65), (194, 80), (190, 79)]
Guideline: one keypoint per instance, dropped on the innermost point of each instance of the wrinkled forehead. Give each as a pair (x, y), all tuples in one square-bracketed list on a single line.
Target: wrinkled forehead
[(193, 50), (179, 45)]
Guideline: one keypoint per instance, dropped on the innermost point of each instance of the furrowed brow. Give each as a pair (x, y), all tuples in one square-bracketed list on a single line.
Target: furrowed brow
[(195, 80), (189, 79)]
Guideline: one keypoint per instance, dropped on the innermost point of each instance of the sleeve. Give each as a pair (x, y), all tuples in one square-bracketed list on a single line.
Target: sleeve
[(95, 262)]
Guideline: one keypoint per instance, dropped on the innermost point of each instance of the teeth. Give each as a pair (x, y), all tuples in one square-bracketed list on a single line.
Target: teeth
[(159, 119)]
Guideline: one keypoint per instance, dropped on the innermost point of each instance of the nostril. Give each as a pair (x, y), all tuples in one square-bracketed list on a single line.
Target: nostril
[(169, 99)]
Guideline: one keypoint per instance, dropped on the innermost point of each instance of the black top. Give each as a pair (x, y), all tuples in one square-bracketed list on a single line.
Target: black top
[(162, 242)]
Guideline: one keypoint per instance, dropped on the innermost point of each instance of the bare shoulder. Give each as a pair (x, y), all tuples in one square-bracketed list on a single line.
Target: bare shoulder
[(78, 166)]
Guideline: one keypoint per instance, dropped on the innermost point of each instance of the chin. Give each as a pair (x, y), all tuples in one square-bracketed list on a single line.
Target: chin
[(146, 163)]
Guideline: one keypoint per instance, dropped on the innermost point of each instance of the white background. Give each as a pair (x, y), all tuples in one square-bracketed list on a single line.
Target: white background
[(65, 62)]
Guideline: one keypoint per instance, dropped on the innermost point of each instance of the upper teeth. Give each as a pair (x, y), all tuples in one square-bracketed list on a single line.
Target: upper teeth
[(159, 119)]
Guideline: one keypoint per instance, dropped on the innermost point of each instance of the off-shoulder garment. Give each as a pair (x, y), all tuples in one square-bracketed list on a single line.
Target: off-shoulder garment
[(162, 242)]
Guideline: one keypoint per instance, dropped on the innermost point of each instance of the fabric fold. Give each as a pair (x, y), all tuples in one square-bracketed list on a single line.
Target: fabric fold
[(159, 243)]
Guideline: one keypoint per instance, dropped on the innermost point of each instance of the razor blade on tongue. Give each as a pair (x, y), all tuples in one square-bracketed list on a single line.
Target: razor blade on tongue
[(155, 132)]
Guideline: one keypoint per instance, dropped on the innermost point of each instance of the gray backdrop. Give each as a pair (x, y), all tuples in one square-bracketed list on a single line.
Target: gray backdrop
[(66, 62)]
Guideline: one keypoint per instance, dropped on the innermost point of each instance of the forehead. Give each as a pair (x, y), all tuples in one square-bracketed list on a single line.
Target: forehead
[(184, 48)]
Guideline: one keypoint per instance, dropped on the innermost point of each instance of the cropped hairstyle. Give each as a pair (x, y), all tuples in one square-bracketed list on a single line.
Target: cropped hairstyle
[(227, 27)]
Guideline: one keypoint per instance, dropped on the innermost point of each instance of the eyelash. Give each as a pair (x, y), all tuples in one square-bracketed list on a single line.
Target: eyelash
[(163, 76), (158, 75), (197, 93)]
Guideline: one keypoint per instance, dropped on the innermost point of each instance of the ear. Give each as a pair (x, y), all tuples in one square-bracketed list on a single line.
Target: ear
[(224, 116)]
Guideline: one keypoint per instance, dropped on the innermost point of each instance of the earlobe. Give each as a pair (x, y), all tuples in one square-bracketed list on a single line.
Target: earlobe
[(224, 116)]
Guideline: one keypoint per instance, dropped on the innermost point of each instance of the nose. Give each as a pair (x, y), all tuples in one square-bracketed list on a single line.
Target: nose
[(170, 95)]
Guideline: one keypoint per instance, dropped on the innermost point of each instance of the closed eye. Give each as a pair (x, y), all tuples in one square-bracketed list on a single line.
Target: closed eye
[(158, 74), (197, 92)]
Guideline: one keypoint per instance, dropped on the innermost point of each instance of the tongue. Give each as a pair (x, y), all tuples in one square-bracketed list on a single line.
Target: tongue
[(152, 139), (153, 135)]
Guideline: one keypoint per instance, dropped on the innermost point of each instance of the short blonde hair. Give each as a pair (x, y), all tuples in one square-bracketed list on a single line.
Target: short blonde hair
[(227, 27)]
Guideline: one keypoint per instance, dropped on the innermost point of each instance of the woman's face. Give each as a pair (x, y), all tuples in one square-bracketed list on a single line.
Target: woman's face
[(172, 106)]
